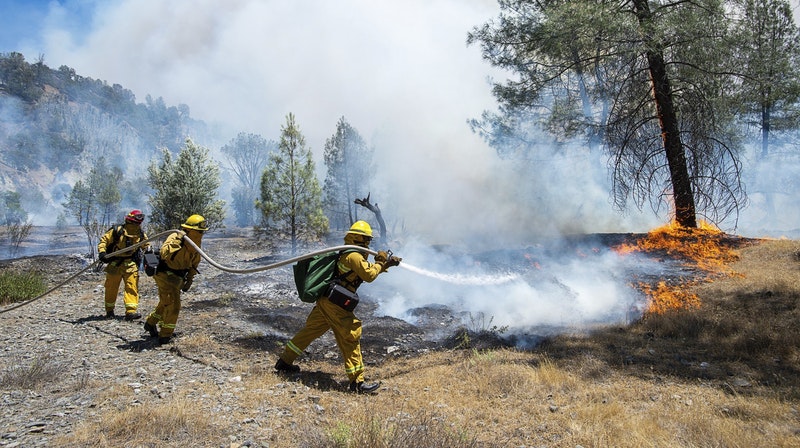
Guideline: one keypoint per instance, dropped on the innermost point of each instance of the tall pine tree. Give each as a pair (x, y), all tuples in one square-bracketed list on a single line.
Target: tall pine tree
[(291, 198), (349, 174)]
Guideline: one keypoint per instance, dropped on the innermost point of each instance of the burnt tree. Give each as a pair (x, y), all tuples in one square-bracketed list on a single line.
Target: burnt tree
[(685, 214), (364, 202)]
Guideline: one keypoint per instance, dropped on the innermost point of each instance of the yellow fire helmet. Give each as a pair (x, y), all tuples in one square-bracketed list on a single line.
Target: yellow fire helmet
[(195, 222), (361, 228), (360, 234)]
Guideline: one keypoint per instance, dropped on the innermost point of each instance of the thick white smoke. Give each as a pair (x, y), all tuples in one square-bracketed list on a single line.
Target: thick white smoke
[(524, 290), (401, 74)]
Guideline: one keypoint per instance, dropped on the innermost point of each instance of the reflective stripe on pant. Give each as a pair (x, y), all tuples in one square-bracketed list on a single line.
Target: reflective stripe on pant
[(346, 329), (169, 303), (128, 273)]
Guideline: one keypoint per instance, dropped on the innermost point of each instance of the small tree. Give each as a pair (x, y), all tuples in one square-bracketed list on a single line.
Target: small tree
[(291, 198), (104, 182), (183, 187), (11, 208), (248, 155), (82, 206)]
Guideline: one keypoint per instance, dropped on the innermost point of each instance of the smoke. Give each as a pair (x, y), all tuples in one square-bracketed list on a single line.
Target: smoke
[(402, 75), (523, 291)]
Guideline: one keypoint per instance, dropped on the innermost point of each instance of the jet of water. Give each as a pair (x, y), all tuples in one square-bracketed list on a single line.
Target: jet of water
[(460, 279)]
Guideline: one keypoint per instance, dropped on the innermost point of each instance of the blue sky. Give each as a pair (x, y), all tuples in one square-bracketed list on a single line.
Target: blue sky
[(23, 22)]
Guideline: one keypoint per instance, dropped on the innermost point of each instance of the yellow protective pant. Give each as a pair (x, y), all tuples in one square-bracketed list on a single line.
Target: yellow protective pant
[(166, 312), (116, 273), (346, 329)]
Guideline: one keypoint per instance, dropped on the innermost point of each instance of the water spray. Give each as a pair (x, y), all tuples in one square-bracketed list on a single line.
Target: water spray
[(459, 279)]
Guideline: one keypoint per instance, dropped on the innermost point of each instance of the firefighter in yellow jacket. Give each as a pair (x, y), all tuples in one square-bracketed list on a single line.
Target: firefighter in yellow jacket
[(176, 271), (331, 313), (123, 267)]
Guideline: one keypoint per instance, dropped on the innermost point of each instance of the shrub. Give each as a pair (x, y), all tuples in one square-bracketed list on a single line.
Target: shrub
[(20, 286), (41, 369)]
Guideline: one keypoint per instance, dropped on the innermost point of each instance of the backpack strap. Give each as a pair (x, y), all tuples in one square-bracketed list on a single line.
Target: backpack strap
[(341, 277)]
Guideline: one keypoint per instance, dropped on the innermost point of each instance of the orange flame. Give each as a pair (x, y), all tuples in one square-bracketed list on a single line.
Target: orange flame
[(704, 248), (668, 297)]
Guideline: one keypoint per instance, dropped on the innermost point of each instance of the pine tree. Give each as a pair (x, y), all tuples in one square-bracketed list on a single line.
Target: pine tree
[(184, 187), (349, 173), (645, 79), (291, 198)]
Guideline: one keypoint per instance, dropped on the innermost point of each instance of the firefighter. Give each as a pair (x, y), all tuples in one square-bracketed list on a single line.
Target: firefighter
[(353, 268), (175, 274), (123, 267)]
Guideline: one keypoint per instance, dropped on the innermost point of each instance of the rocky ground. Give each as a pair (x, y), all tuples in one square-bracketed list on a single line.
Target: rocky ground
[(227, 321)]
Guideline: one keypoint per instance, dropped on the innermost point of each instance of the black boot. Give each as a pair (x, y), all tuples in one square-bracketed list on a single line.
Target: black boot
[(109, 313), (364, 388), (283, 366), (164, 340), (132, 316), (151, 329)]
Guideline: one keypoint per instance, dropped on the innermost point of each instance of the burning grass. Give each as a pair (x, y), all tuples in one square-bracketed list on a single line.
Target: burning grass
[(705, 249)]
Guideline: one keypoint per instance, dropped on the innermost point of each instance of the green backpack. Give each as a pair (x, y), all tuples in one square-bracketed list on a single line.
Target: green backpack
[(313, 276)]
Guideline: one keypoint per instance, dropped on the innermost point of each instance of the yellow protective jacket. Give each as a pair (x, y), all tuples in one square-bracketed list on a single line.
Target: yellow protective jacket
[(120, 237), (355, 268), (181, 257)]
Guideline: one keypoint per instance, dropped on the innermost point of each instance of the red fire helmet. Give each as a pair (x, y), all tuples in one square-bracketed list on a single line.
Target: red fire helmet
[(135, 216)]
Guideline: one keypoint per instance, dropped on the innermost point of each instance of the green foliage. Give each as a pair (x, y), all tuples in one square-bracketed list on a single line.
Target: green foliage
[(768, 59), (585, 68), (20, 286), (20, 77), (183, 187), (94, 201), (291, 198), (248, 155), (104, 182), (350, 170), (82, 205), (11, 208), (79, 119), (16, 233)]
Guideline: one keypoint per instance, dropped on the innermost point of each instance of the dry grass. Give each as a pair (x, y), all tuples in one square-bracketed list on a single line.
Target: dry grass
[(31, 372), (172, 422), (724, 374)]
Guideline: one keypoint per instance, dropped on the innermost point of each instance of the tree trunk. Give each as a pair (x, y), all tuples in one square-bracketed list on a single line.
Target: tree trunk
[(378, 215), (668, 119), (765, 127)]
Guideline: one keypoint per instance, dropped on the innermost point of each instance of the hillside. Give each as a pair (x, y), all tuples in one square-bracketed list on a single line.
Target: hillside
[(56, 124), (726, 373)]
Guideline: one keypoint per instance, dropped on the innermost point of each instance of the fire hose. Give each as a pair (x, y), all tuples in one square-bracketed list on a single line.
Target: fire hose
[(205, 256)]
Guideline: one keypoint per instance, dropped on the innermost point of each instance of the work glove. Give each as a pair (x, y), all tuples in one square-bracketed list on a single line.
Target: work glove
[(102, 257), (381, 257), (393, 261), (186, 284)]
